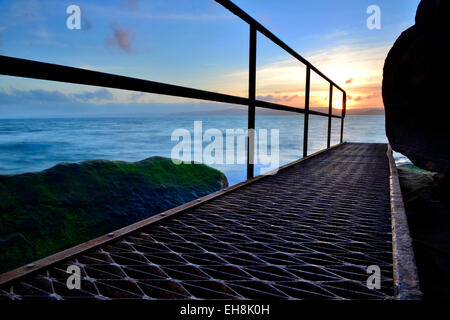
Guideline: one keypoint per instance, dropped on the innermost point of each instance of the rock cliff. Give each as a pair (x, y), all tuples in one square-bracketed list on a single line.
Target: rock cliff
[(416, 89)]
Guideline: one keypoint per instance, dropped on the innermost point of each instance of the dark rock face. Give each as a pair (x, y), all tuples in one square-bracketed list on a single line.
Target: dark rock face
[(427, 205), (45, 212), (416, 89)]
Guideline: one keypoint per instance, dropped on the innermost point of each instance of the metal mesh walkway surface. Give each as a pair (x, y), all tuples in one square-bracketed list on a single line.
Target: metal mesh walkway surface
[(308, 232)]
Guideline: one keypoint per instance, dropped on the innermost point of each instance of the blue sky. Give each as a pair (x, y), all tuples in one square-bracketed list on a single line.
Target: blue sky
[(195, 43)]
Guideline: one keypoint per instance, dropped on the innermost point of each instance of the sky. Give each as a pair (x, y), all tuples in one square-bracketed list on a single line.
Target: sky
[(198, 44)]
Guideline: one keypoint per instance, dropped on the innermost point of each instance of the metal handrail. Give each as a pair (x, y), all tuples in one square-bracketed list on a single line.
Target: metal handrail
[(13, 66), (263, 30)]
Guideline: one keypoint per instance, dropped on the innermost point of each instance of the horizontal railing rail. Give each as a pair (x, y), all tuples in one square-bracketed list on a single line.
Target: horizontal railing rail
[(18, 67), (47, 71)]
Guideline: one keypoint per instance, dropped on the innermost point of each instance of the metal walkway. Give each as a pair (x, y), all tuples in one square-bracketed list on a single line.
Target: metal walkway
[(308, 232)]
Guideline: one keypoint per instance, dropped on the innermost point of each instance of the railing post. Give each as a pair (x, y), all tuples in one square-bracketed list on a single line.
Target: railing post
[(330, 112), (306, 118), (344, 108), (251, 105)]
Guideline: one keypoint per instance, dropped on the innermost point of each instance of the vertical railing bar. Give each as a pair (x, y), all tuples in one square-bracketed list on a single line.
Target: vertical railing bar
[(344, 108), (306, 116), (251, 105), (330, 112)]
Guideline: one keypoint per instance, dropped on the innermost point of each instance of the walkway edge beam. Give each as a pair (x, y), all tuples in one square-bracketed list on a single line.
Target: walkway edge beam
[(406, 279)]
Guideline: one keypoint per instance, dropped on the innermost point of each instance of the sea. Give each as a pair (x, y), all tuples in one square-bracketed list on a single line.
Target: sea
[(30, 145)]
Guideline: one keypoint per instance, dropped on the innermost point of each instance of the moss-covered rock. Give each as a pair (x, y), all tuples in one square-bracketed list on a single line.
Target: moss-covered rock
[(46, 212)]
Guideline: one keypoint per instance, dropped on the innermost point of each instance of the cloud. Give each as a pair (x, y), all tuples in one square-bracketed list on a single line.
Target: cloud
[(186, 17), (122, 38), (16, 96), (26, 10), (130, 4), (290, 100), (263, 18), (109, 68), (335, 34), (348, 81), (86, 23), (99, 95), (270, 98), (39, 96), (367, 97), (42, 33), (119, 12)]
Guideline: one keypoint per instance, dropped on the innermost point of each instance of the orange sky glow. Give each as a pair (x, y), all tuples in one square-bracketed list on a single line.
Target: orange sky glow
[(356, 70)]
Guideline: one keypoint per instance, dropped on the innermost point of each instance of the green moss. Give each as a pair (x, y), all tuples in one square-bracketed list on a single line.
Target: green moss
[(412, 168), (49, 211)]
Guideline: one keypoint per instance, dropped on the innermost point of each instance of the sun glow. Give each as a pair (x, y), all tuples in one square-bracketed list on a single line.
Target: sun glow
[(356, 70)]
